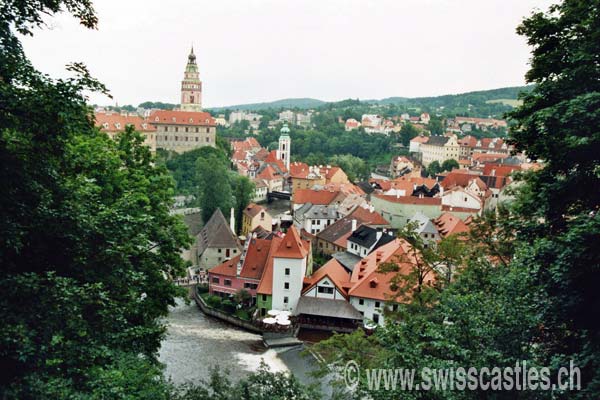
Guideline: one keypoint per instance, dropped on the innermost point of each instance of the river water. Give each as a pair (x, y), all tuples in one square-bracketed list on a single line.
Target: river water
[(196, 342)]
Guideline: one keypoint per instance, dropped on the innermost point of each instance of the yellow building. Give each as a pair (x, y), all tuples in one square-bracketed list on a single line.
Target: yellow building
[(255, 216), (440, 149)]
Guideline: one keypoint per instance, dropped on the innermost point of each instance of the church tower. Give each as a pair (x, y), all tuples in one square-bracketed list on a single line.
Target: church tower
[(285, 143), (191, 86)]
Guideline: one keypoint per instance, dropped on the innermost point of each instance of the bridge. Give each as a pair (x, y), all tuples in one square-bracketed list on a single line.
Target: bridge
[(278, 195)]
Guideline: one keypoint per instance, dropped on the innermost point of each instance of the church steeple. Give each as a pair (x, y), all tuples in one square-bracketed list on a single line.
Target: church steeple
[(191, 86)]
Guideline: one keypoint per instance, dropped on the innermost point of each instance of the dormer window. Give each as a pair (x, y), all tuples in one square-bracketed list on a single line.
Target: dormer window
[(174, 119), (191, 119), (118, 125), (105, 125), (156, 119)]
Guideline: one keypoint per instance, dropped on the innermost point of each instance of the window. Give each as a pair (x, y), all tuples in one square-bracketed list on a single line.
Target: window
[(196, 129), (227, 282), (264, 297), (219, 250), (286, 300), (176, 129), (215, 280), (377, 304), (207, 140), (361, 302), (287, 271), (286, 285), (376, 318), (176, 138), (325, 290), (186, 129)]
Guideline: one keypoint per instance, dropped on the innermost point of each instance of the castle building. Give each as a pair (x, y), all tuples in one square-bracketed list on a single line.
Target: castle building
[(285, 143), (191, 86)]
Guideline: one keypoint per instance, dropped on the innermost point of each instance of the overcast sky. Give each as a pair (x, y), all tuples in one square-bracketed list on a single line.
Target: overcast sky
[(263, 50)]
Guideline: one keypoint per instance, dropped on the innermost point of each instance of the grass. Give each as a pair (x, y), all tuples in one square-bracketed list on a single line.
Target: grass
[(243, 314), (508, 102)]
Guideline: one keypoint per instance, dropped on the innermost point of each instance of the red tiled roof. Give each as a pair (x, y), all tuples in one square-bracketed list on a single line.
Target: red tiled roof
[(420, 139), (336, 273), (483, 157), (367, 217), (299, 170), (115, 122), (252, 210), (181, 118), (448, 224), (316, 197), (368, 282), (499, 169), (266, 280), (291, 246), (457, 178), (269, 173), (228, 268)]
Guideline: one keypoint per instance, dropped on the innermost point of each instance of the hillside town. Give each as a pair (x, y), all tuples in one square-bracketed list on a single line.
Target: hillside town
[(317, 256)]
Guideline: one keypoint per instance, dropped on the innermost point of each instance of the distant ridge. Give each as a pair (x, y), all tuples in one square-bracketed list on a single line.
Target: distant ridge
[(303, 103), (461, 98), (505, 94)]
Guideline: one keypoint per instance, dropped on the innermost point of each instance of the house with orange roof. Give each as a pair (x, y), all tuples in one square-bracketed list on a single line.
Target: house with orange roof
[(181, 131), (449, 224), (272, 177), (324, 302), (282, 281), (314, 196), (351, 124), (371, 289), (113, 123)]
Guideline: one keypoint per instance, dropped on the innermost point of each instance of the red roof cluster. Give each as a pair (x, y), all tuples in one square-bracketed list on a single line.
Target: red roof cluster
[(165, 117)]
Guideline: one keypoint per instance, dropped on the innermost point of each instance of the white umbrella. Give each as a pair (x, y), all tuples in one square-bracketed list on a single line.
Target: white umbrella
[(269, 321), (285, 314), (273, 312), (284, 322)]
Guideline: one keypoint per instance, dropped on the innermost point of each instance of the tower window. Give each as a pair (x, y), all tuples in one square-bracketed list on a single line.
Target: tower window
[(191, 99)]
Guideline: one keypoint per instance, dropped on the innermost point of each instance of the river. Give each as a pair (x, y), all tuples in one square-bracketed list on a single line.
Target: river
[(196, 342)]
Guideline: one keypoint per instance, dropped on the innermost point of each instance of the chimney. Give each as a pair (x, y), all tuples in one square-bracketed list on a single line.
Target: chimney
[(354, 225), (232, 220)]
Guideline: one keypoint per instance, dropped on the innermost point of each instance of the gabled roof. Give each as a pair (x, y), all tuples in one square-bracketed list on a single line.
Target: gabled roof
[(449, 224), (420, 139), (335, 272), (227, 268), (299, 170), (255, 258), (423, 224), (368, 216), (266, 280), (216, 234), (269, 173), (457, 178), (369, 283), (292, 246), (252, 210)]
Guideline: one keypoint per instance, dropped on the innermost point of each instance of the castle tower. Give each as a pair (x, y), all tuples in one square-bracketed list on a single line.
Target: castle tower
[(285, 144), (191, 86)]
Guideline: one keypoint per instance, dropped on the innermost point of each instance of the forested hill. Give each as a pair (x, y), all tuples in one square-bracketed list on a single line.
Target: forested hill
[(507, 96)]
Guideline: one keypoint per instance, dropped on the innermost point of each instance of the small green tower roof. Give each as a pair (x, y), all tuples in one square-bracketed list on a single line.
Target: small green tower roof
[(285, 131)]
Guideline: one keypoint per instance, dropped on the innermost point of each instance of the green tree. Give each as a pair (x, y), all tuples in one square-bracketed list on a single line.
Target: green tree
[(436, 126), (87, 243), (434, 168), (449, 165), (243, 192), (559, 122), (214, 187)]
